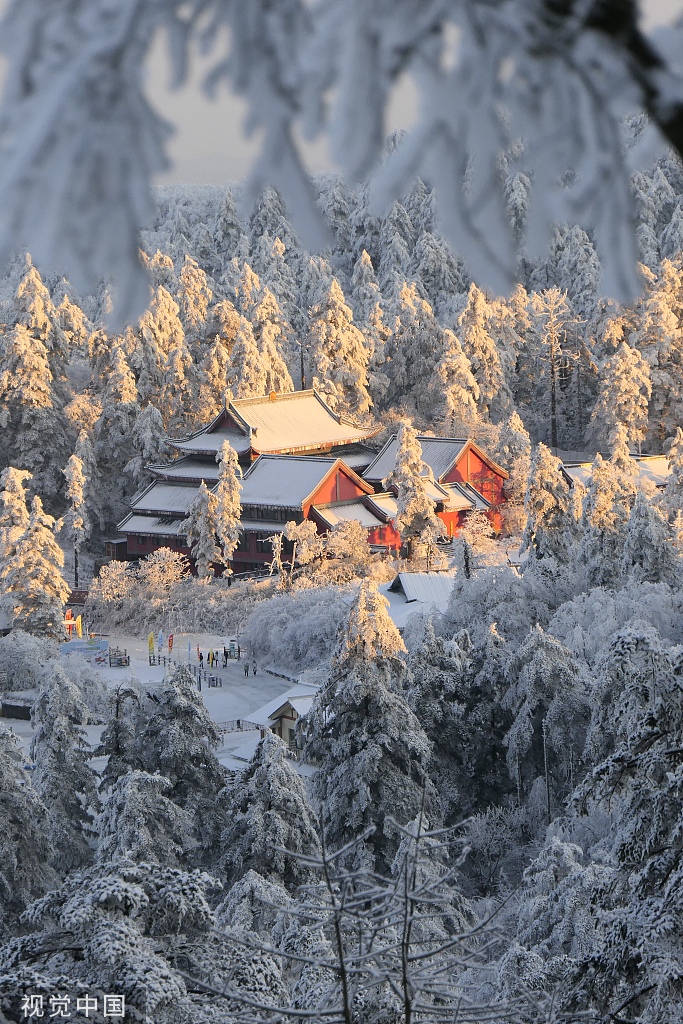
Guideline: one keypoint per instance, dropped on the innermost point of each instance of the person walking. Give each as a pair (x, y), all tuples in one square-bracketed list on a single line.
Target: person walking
[(246, 668), (201, 660), (225, 657), (253, 667)]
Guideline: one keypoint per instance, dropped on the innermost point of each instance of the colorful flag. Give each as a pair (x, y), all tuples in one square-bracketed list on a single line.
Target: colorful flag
[(150, 643), (160, 641), (79, 626), (170, 642)]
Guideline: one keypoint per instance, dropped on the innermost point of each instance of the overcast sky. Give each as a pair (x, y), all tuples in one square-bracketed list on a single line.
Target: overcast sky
[(209, 145)]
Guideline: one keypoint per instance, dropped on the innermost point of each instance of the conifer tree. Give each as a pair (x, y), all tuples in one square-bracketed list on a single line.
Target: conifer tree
[(35, 588), (160, 332), (228, 234), (648, 555), (495, 400), (62, 777), (273, 337), (412, 351), (33, 309), (24, 835), (140, 823), (30, 412), (14, 515), (149, 442), (161, 270), (268, 820), (269, 217), (550, 529), (339, 356), (440, 274), (75, 522), (673, 491), (200, 530), (194, 298), (371, 749), (247, 289), (246, 373), (228, 508), (416, 520), (178, 392), (455, 389), (213, 379), (624, 392)]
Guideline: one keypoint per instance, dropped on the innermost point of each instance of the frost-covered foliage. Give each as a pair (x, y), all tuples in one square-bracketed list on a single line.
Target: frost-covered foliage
[(35, 590), (370, 747), (23, 658), (296, 630), (269, 820), (416, 520)]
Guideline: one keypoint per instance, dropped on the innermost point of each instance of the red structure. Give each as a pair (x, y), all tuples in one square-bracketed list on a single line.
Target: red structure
[(302, 461)]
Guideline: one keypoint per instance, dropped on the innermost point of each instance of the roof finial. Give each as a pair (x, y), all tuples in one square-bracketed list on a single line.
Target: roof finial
[(272, 396)]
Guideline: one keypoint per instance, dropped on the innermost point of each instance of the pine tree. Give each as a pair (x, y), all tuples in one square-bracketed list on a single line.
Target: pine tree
[(140, 823), (161, 270), (550, 529), (228, 508), (33, 309), (160, 332), (268, 820), (24, 835), (269, 217), (178, 392), (495, 400), (513, 452), (194, 298), (371, 749), (625, 390), (246, 373), (75, 522), (416, 520), (14, 516), (273, 337), (228, 234), (35, 588), (673, 491), (339, 356), (649, 555), (62, 777), (552, 312), (412, 351), (200, 530), (149, 442), (437, 270), (30, 411), (455, 389)]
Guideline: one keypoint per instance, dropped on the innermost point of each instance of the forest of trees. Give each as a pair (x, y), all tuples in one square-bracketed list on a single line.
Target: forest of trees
[(493, 832)]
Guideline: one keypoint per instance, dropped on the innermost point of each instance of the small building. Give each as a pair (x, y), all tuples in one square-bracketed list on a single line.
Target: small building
[(427, 593)]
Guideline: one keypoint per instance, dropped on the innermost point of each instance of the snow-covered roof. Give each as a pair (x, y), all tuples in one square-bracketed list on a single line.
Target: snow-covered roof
[(345, 511), (385, 502), (652, 469), (302, 705), (205, 443), (297, 420), (267, 526), (285, 480), (439, 453), (431, 588), (357, 458), (188, 469), (464, 496), (151, 526), (166, 498), (262, 716)]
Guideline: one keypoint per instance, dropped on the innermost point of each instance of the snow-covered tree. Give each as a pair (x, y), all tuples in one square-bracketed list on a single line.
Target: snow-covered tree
[(416, 520), (371, 749), (200, 530), (14, 514), (648, 554), (62, 776), (194, 298), (75, 523), (160, 331), (550, 527), (513, 452), (34, 586), (273, 337), (140, 823), (673, 491), (339, 355), (149, 442), (178, 391), (29, 410), (495, 400), (625, 390), (549, 704), (455, 389), (246, 373), (228, 508), (161, 570), (348, 539), (412, 350), (24, 834), (268, 819), (176, 742)]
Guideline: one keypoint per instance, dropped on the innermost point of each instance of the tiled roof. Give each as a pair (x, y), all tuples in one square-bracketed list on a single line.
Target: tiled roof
[(431, 588), (283, 480), (188, 469), (163, 497), (297, 420), (151, 526), (345, 511), (464, 496), (202, 442), (439, 453), (385, 502)]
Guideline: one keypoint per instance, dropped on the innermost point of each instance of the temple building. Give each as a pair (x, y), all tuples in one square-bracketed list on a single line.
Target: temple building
[(301, 460)]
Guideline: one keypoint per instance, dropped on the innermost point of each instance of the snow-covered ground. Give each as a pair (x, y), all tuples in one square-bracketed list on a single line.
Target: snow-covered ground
[(234, 699)]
